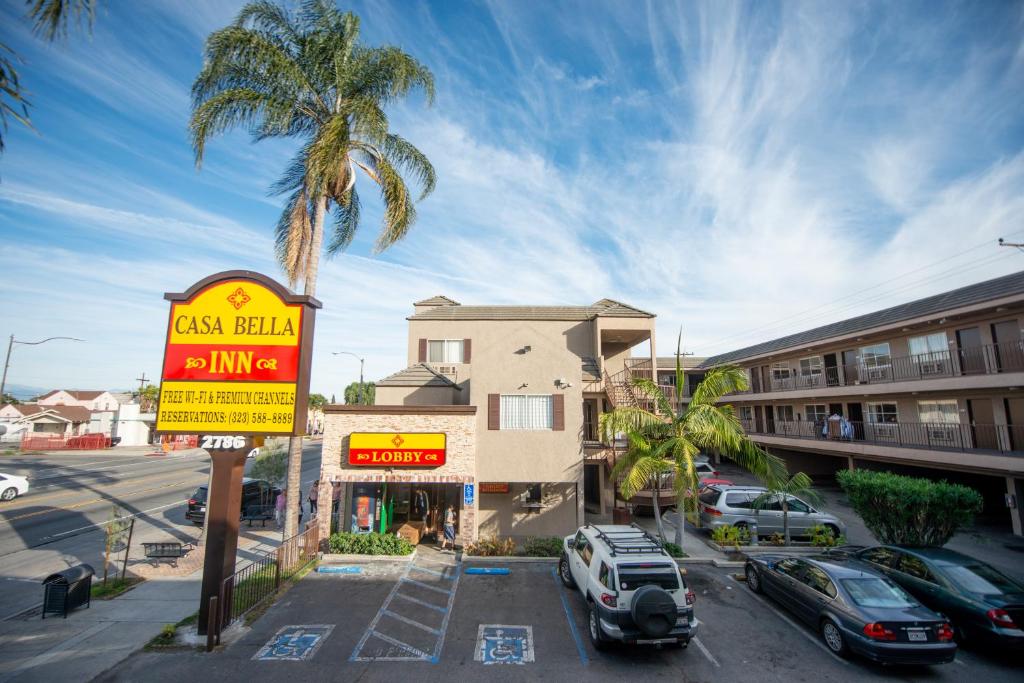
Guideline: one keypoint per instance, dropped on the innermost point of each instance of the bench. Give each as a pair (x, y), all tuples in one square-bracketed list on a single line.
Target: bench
[(258, 513), (166, 551)]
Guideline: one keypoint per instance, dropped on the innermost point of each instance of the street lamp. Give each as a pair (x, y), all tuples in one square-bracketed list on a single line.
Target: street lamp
[(349, 353), (10, 347)]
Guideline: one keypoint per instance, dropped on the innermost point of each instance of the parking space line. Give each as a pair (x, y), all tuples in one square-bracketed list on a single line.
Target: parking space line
[(420, 654), (704, 651), (797, 627), (447, 613), (431, 571), (568, 617), (411, 622), (423, 603), (420, 584)]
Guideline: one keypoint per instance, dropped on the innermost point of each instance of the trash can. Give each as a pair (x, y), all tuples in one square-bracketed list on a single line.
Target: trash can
[(622, 516), (67, 590)]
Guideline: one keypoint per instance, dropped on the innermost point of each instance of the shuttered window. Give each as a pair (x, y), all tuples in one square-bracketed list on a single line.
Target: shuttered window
[(527, 411), (444, 350)]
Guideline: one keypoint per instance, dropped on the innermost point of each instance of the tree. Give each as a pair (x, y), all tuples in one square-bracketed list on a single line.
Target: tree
[(306, 75), (797, 485), (271, 465), (677, 435), (352, 393), (9, 399), (901, 510), (317, 401), (334, 401), (148, 397), (640, 468)]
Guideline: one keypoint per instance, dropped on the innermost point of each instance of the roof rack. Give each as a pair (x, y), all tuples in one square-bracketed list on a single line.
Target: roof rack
[(633, 541)]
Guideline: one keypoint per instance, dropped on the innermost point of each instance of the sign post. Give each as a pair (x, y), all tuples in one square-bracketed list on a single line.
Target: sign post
[(236, 366)]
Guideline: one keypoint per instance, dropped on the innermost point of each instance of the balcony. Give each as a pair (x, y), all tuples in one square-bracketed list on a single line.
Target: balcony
[(987, 438), (969, 361)]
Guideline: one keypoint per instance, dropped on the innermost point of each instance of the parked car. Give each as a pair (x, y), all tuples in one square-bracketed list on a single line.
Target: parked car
[(983, 603), (12, 486), (724, 505), (634, 590), (855, 608), (13, 433), (257, 495)]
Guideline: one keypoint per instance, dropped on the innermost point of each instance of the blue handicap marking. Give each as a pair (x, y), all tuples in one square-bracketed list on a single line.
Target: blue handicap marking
[(294, 643), (491, 571), (328, 569), (468, 494), (502, 644)]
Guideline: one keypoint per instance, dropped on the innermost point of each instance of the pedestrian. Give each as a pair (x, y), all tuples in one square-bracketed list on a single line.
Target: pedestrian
[(449, 528), (279, 507), (314, 493)]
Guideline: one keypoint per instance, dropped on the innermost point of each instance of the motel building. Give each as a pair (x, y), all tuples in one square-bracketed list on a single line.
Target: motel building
[(495, 415)]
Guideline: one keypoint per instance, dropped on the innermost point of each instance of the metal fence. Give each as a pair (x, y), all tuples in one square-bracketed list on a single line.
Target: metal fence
[(59, 442), (261, 579)]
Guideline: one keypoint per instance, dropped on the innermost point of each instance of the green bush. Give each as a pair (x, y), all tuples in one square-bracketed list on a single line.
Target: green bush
[(909, 510), (822, 536), (544, 546), (370, 544), (730, 535), (492, 547), (774, 539), (674, 550)]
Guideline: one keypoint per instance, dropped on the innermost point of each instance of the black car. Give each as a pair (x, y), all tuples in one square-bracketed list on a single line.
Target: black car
[(983, 604), (258, 496), (854, 608)]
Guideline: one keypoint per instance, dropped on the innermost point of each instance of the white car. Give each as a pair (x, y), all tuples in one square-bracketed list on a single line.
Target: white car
[(12, 486)]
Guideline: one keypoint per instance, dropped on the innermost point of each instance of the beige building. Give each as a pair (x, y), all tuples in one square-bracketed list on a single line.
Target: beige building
[(520, 389), (934, 387)]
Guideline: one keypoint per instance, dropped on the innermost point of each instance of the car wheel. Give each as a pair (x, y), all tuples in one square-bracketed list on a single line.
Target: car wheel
[(834, 530), (597, 638), (833, 638), (565, 572), (9, 494), (753, 579)]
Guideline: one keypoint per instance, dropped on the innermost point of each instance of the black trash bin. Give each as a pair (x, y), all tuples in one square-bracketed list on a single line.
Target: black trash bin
[(66, 590)]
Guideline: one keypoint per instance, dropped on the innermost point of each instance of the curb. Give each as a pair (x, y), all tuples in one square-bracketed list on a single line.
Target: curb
[(499, 559), (341, 557)]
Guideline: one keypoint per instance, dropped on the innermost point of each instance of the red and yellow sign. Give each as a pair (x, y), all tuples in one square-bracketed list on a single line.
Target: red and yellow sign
[(237, 358), (493, 487), (390, 449)]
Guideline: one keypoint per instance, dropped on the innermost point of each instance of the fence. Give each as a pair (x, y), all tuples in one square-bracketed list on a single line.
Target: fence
[(259, 580), (58, 442)]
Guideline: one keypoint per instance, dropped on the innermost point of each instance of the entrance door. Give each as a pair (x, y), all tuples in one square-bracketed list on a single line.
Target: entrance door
[(856, 419), (1006, 335), (850, 372), (979, 412), (835, 409), (592, 486), (758, 420), (755, 380), (969, 351), (769, 417), (1015, 420), (831, 370)]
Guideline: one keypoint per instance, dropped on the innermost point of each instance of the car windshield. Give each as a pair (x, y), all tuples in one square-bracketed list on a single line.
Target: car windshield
[(872, 592), (633, 576), (710, 496), (199, 495), (980, 578)]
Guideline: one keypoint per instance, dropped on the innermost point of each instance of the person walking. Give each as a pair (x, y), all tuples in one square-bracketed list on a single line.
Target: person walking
[(449, 528), (314, 493), (279, 507)]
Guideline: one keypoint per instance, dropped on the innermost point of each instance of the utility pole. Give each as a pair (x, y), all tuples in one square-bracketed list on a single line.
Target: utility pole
[(10, 347), (361, 360), (1018, 245), (142, 383)]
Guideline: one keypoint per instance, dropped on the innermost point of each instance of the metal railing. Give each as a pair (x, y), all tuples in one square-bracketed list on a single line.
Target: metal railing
[(262, 578), (928, 435)]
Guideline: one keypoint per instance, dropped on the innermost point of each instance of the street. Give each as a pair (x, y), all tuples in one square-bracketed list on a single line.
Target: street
[(59, 522)]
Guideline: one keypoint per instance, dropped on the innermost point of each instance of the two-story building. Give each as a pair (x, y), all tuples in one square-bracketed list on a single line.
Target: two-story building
[(516, 392), (933, 387)]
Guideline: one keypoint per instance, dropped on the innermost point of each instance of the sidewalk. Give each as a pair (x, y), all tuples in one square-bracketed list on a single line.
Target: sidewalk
[(695, 548)]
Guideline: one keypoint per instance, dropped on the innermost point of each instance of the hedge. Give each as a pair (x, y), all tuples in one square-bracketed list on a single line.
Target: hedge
[(370, 544)]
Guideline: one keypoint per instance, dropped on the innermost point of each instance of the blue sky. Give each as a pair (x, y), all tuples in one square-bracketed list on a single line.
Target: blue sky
[(744, 170)]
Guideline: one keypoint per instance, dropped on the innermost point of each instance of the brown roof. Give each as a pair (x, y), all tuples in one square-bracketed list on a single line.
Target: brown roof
[(604, 307), (75, 394), (437, 301), (419, 375), (689, 362), (27, 409), (73, 414)]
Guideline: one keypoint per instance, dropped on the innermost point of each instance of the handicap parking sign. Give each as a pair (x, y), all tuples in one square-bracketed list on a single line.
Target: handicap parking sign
[(468, 494), (295, 643), (502, 644)]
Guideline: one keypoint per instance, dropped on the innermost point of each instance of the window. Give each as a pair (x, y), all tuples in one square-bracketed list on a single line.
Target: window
[(819, 581), (810, 371), (580, 541), (797, 505), (524, 411), (605, 577), (586, 552), (784, 413), (947, 412), (982, 579), (883, 557), (879, 593), (791, 567), (444, 350), (740, 500), (876, 360), (633, 576), (816, 412), (929, 344), (533, 494), (746, 413), (780, 371), (913, 566), (882, 413)]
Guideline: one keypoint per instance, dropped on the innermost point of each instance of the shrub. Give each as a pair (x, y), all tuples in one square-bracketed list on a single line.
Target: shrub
[(730, 535), (544, 546), (776, 539), (674, 550), (492, 547), (822, 536), (370, 544), (909, 510)]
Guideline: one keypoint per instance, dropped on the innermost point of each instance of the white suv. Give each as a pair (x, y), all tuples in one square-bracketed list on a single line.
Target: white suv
[(634, 590)]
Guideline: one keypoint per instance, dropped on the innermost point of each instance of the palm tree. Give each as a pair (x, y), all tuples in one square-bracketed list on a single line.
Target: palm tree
[(639, 468), (305, 75), (677, 435), (797, 485)]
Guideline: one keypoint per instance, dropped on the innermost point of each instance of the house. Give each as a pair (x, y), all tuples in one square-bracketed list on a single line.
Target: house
[(91, 400)]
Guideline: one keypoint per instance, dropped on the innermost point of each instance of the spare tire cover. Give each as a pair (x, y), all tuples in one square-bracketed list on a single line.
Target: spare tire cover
[(654, 611)]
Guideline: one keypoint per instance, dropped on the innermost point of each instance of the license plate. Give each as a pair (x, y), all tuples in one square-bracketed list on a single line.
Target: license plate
[(917, 635), (202, 509), (656, 641)]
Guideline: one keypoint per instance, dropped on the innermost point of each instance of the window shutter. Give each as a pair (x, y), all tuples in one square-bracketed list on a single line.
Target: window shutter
[(467, 346), (558, 412), (493, 411), (423, 350)]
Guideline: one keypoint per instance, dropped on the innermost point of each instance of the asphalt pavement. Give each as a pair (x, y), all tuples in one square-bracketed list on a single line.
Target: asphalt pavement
[(59, 522)]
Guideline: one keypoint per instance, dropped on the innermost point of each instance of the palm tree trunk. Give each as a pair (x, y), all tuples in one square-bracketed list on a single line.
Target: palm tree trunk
[(294, 499), (785, 519), (681, 515), (655, 495)]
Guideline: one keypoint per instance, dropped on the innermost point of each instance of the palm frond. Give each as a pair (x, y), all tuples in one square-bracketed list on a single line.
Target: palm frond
[(12, 97), (625, 420), (404, 155), (293, 236), (720, 381), (51, 17), (346, 220)]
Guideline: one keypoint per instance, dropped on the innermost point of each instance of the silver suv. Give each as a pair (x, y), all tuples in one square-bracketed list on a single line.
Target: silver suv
[(634, 590), (722, 505)]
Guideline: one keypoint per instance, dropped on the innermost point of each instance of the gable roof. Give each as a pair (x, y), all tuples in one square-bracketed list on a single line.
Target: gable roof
[(989, 290), (75, 394), (603, 308), (419, 375), (27, 409), (72, 414), (438, 300)]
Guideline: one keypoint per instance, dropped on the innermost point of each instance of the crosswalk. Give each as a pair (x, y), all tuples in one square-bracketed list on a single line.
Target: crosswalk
[(412, 622)]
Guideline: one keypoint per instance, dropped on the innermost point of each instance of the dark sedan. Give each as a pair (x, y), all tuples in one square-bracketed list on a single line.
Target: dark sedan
[(983, 604), (854, 608)]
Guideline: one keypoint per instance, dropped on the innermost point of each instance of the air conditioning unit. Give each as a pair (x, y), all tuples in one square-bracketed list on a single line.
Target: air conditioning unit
[(446, 369)]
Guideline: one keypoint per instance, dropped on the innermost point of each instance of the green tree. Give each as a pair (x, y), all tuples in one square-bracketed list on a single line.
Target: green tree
[(910, 510), (799, 485), (8, 398), (334, 401), (306, 75), (640, 468), (271, 464), (676, 435), (352, 393), (317, 401), (148, 397)]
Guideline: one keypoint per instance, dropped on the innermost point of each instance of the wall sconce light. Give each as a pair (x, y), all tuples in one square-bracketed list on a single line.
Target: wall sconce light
[(562, 384)]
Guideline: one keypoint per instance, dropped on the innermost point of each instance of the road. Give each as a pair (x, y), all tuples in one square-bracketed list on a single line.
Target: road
[(59, 522)]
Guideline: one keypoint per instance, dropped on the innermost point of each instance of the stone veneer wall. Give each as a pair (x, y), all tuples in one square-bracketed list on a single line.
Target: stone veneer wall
[(457, 422)]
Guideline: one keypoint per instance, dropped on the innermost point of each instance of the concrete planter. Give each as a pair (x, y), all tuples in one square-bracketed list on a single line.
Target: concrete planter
[(501, 559), (338, 558)]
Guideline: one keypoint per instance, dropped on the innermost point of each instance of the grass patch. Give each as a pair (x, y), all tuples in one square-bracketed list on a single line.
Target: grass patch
[(168, 636), (114, 587)]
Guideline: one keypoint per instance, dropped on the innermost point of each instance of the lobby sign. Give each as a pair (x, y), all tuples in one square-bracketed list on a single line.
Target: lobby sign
[(493, 487), (237, 358), (392, 449)]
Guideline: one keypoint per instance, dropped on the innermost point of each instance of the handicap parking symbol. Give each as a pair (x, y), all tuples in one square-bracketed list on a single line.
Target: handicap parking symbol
[(502, 644), (294, 643)]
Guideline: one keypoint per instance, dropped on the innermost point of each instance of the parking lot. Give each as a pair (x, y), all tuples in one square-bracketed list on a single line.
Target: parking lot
[(433, 622)]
